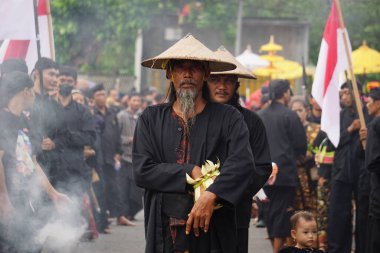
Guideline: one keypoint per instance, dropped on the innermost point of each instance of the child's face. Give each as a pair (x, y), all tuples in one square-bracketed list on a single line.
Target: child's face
[(305, 233)]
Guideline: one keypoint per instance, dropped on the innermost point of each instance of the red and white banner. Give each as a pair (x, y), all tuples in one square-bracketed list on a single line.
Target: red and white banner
[(332, 61), (27, 49)]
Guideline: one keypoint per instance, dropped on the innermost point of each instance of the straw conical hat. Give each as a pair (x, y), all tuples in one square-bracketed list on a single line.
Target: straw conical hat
[(189, 48), (240, 71)]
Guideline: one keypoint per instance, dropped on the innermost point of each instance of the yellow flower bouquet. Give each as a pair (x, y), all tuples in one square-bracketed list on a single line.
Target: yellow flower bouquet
[(209, 172)]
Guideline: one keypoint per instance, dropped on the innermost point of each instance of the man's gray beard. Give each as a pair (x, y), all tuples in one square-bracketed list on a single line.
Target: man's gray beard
[(186, 99)]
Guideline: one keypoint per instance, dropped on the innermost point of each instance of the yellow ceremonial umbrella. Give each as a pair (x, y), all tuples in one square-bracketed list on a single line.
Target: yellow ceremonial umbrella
[(284, 69), (272, 57), (366, 60), (271, 46)]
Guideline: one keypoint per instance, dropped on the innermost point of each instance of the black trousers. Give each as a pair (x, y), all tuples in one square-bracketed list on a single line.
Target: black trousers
[(242, 237), (113, 198), (362, 210), (340, 217), (373, 235), (131, 194), (99, 189)]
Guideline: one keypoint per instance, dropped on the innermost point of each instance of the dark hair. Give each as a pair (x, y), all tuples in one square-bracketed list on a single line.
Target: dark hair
[(278, 87), (46, 63), (307, 216), (134, 94), (12, 84), (348, 85), (68, 71), (96, 88), (12, 64), (375, 94)]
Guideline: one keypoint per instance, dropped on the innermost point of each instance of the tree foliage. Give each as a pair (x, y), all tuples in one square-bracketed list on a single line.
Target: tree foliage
[(99, 35)]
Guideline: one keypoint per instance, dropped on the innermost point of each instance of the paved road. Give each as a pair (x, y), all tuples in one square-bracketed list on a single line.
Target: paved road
[(131, 240)]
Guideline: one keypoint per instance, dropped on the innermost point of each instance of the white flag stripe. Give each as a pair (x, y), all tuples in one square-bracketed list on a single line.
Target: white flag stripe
[(31, 55), (17, 20)]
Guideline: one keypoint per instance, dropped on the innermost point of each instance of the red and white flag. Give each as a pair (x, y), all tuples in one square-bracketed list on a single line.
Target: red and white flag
[(13, 47), (332, 61)]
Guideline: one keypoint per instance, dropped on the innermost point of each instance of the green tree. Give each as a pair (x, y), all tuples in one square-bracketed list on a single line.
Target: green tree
[(99, 35)]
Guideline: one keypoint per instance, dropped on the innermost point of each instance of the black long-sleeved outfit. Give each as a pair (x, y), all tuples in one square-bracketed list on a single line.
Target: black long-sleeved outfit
[(372, 163), (287, 141), (45, 120), (218, 132), (260, 150), (344, 185), (110, 142), (74, 175)]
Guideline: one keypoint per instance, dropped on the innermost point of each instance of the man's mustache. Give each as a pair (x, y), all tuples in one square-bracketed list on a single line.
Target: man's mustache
[(224, 93), (188, 81)]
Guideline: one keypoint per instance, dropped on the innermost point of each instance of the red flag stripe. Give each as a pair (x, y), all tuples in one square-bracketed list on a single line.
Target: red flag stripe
[(330, 36), (42, 8), (17, 49)]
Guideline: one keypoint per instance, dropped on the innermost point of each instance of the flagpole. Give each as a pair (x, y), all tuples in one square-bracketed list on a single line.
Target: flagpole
[(358, 103), (38, 42), (50, 27)]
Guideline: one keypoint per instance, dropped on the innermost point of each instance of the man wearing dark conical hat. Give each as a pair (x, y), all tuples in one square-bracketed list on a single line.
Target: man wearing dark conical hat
[(175, 139), (223, 88)]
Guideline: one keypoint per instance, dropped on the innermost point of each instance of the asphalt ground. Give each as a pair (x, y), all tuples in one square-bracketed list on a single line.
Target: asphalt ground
[(131, 240)]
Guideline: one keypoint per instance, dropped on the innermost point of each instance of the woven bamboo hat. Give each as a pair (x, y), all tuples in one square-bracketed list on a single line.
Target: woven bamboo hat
[(240, 71), (189, 48)]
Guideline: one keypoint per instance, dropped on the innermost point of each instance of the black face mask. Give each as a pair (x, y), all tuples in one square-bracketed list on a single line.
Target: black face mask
[(65, 90)]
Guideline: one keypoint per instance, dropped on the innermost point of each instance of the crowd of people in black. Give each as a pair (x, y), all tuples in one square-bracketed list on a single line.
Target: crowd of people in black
[(338, 185), (66, 148), (63, 147)]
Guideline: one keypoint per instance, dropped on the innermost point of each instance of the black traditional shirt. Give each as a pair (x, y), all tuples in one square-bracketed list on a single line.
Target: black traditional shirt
[(81, 128), (260, 149), (287, 141), (219, 132), (372, 162), (110, 135), (45, 120)]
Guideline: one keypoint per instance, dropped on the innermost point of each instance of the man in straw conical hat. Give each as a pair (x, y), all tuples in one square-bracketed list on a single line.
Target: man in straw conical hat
[(222, 87), (175, 139)]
